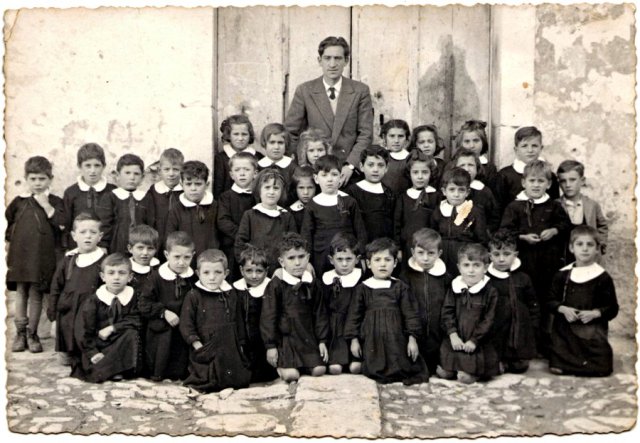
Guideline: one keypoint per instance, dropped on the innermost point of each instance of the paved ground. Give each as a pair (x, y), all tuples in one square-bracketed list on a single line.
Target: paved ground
[(42, 398)]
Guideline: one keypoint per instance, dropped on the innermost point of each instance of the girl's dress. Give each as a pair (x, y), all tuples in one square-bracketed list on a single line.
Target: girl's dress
[(294, 320), (338, 292), (578, 348), (382, 314), (122, 349), (413, 211), (470, 312), (376, 203), (397, 178), (215, 319)]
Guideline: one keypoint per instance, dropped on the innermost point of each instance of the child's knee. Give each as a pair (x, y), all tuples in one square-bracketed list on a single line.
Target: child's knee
[(335, 369), (355, 367), (318, 371), (289, 374)]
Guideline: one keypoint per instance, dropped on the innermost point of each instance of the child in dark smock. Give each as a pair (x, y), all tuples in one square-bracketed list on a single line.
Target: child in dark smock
[(338, 287), (582, 301), (143, 245), (425, 139), (467, 318), (108, 327), (212, 324), (395, 135), (473, 137), (275, 141), (427, 276), (304, 188), (383, 322), (294, 323), (160, 305), (165, 193)]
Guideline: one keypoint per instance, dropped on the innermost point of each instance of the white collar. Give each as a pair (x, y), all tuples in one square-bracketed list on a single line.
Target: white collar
[(582, 274), (169, 275), (523, 197), (374, 283), (477, 185), (162, 188), (400, 155), (519, 165), (29, 194), (141, 269), (504, 274), (265, 162), (224, 287), (254, 291), (107, 297), (123, 194), (328, 200), (337, 86), (206, 200), (297, 206), (458, 285), (374, 188), (438, 269), (87, 258), (415, 193), (98, 187), (447, 208), (483, 159), (231, 152), (270, 212), (290, 279), (238, 190), (346, 281)]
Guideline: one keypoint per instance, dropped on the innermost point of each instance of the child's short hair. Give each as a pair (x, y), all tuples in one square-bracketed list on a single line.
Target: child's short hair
[(426, 238), (464, 152), (178, 238), (374, 151), (292, 240), (115, 259), (38, 165), (417, 156), (212, 256), (309, 136), (252, 254), (571, 165), (457, 176), (129, 160), (237, 119), (334, 41), (381, 244), (274, 129), (503, 239), (477, 126), (173, 156), (527, 132), (244, 156), (298, 174), (342, 242), (143, 234), (395, 124), (194, 169), (91, 151), (86, 216), (327, 163), (584, 230), (427, 128), (264, 176), (474, 252), (538, 168)]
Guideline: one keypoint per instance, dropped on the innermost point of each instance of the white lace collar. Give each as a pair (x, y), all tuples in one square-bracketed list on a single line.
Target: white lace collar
[(265, 162), (238, 190), (87, 258), (346, 281), (374, 283), (504, 274), (107, 297), (477, 185), (123, 194), (447, 208), (231, 152), (483, 159), (374, 188), (400, 155), (270, 212), (207, 199), (522, 196), (98, 187), (224, 287), (167, 274), (437, 270), (290, 279), (415, 193), (254, 291), (583, 274), (458, 285), (297, 206), (328, 200), (519, 165), (141, 269), (162, 188)]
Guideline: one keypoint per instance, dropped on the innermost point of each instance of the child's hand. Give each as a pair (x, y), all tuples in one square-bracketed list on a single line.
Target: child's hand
[(469, 347), (272, 356), (105, 332), (412, 348), (547, 234), (355, 348), (324, 353), (171, 318), (345, 175), (532, 239), (570, 314), (456, 342), (587, 316), (196, 344), (96, 358)]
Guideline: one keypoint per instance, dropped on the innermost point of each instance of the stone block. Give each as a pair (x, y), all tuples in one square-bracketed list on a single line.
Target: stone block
[(259, 424)]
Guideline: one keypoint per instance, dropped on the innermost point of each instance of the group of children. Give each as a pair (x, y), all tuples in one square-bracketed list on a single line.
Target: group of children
[(411, 267)]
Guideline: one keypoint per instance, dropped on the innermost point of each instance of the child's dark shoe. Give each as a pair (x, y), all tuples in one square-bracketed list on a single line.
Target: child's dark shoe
[(415, 380), (19, 342), (447, 375), (33, 342), (117, 377), (556, 371), (465, 378)]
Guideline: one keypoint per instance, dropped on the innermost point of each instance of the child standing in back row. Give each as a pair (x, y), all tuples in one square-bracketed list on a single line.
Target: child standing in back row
[(395, 134), (275, 141), (473, 136), (303, 187), (166, 192)]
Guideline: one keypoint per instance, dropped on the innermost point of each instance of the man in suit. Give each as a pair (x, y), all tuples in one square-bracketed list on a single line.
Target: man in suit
[(337, 105)]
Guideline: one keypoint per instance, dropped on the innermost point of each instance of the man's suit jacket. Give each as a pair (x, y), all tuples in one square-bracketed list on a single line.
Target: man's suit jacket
[(350, 130)]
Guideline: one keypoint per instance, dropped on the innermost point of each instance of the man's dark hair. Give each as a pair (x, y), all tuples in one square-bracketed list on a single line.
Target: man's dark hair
[(334, 41)]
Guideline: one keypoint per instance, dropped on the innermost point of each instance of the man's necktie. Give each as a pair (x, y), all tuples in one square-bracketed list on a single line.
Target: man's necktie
[(332, 93)]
